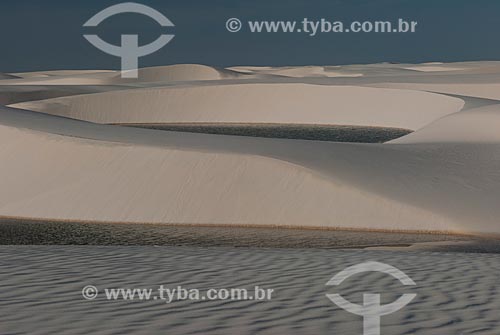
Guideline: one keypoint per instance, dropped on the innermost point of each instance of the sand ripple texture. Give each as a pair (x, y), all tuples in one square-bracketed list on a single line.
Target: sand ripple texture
[(40, 291)]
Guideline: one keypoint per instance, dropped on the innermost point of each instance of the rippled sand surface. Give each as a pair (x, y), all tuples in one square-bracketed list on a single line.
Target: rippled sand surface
[(41, 291)]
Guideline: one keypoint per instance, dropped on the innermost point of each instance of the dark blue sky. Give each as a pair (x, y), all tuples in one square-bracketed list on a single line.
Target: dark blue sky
[(47, 34)]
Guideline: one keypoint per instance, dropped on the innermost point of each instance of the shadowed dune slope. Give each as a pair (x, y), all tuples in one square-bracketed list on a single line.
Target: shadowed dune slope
[(6, 76), (477, 125)]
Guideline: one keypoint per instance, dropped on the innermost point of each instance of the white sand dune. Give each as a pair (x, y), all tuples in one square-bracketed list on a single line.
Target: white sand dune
[(478, 125), (171, 73), (445, 176), (256, 103), (64, 78), (7, 76), (183, 72), (11, 94), (187, 179), (297, 71), (478, 90), (433, 68), (59, 73), (371, 73), (196, 178)]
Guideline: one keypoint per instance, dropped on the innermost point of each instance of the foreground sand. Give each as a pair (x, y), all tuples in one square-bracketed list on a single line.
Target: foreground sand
[(445, 176), (455, 295)]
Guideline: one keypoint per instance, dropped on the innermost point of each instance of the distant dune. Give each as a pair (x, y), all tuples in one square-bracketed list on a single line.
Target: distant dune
[(433, 68), (171, 73), (183, 72), (297, 71), (478, 90), (6, 76)]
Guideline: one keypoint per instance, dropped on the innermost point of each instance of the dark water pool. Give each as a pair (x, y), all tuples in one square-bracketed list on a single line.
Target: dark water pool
[(333, 133), (20, 232)]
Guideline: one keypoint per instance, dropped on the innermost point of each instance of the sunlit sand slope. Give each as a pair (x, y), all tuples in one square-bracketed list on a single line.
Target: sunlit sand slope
[(256, 103), (108, 173)]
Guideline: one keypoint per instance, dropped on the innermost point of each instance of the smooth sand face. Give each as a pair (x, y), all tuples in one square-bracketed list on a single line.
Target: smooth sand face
[(433, 68), (171, 73), (256, 103), (479, 90), (107, 182), (444, 176), (6, 76), (477, 125)]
